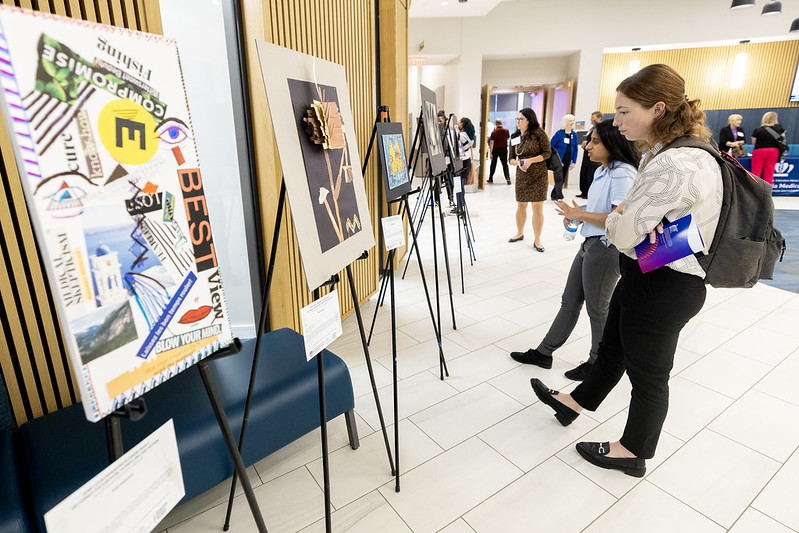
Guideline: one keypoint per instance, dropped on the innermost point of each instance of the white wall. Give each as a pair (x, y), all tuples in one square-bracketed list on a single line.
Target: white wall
[(202, 47), (560, 29), (524, 71)]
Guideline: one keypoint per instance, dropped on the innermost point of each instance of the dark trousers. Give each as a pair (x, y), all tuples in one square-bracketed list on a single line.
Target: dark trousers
[(587, 170), (557, 190), (561, 177), (647, 313), (464, 177), (591, 280), (502, 155)]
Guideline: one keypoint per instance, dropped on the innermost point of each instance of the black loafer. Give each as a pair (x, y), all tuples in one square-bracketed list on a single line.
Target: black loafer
[(563, 412), (596, 454), (516, 239), (579, 372), (538, 248), (533, 357)]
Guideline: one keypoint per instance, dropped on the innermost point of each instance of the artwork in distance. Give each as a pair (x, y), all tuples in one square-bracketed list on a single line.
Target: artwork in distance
[(393, 162), (432, 135), (99, 121), (315, 135)]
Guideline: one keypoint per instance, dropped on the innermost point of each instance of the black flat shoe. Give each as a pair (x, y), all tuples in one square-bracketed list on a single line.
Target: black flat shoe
[(516, 239), (538, 248), (508, 181), (533, 357), (563, 412), (579, 372), (596, 454)]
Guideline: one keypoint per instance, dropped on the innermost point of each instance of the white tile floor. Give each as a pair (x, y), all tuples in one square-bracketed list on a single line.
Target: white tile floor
[(480, 454)]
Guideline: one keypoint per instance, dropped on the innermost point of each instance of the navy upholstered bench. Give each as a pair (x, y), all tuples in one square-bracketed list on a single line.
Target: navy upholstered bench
[(13, 514), (60, 451)]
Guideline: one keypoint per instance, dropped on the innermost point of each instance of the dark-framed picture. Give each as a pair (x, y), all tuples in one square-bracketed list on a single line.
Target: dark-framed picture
[(314, 130), (393, 162), (432, 135), (454, 147)]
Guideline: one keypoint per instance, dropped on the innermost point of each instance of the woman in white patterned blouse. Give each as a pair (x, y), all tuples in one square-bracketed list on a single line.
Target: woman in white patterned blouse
[(648, 311)]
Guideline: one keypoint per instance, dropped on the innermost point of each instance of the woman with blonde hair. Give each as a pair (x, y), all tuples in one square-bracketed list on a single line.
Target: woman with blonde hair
[(648, 311), (732, 137), (767, 148)]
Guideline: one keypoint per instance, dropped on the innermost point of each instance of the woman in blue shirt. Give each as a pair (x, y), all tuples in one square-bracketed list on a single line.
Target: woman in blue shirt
[(595, 269), (564, 141)]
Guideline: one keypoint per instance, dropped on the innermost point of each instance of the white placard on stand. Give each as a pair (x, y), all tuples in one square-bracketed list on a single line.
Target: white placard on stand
[(132, 495), (321, 324), (456, 185), (392, 232)]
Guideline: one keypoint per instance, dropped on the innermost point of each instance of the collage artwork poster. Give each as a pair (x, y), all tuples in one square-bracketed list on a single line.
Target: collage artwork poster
[(100, 124)]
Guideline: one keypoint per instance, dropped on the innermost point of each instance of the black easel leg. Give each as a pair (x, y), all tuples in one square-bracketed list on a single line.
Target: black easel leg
[(435, 263), (378, 304), (221, 418), (259, 335), (442, 363), (446, 255), (368, 358), (320, 366), (113, 437), (394, 373), (460, 244)]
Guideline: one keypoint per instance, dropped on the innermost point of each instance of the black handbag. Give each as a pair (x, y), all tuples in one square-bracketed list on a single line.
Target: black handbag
[(781, 142), (554, 163)]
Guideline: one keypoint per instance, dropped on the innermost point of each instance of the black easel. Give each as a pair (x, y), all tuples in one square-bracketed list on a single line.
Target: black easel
[(383, 114), (433, 198), (262, 330), (462, 210)]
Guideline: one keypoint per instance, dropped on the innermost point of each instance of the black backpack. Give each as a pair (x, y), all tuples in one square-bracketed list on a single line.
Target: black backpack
[(746, 245)]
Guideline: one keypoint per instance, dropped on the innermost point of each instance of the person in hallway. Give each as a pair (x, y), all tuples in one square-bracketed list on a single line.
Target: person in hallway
[(731, 136), (595, 268), (564, 141), (648, 311), (588, 167), (529, 151), (766, 152), (465, 153), (441, 119), (498, 148)]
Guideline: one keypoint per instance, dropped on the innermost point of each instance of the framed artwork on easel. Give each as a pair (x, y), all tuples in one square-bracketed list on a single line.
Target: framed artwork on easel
[(104, 144), (313, 124), (432, 135), (393, 161)]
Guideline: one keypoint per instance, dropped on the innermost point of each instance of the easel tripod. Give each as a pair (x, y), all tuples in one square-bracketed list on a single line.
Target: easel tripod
[(430, 196), (322, 404), (462, 209)]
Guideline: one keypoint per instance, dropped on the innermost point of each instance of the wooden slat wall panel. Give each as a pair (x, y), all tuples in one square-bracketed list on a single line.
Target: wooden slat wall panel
[(33, 358), (707, 71), (341, 31)]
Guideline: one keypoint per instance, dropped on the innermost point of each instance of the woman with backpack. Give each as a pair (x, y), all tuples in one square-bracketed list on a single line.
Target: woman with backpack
[(767, 140), (648, 311)]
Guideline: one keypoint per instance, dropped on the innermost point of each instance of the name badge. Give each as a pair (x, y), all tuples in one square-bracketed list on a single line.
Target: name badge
[(740, 134), (516, 140)]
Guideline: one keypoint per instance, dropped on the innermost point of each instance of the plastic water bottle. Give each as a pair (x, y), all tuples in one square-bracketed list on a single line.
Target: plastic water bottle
[(571, 230)]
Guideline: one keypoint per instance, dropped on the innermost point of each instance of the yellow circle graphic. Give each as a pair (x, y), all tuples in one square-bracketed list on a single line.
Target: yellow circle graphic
[(127, 131)]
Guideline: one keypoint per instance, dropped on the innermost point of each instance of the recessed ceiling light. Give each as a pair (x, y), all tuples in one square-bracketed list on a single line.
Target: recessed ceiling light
[(444, 3)]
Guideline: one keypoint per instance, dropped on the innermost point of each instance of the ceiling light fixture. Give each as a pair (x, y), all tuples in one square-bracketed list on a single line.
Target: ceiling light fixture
[(772, 8), (741, 4), (794, 26)]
